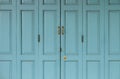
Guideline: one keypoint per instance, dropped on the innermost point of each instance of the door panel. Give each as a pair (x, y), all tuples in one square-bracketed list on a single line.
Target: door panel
[(93, 69), (50, 32), (93, 46), (49, 46), (49, 2), (27, 20), (71, 20), (5, 23), (114, 32), (27, 39), (27, 68), (27, 2), (5, 2), (114, 2), (71, 70), (70, 2), (51, 71), (112, 39), (5, 69), (93, 35), (92, 2), (114, 67)]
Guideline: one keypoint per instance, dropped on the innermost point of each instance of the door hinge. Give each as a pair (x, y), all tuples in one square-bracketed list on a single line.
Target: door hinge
[(82, 38), (38, 37), (60, 49)]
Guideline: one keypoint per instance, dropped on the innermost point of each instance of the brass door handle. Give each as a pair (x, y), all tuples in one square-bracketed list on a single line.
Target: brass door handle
[(60, 30), (65, 58)]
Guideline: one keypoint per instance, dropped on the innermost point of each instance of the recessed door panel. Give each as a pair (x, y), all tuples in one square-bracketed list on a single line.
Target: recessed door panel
[(50, 32), (114, 2), (114, 69), (5, 69), (71, 70), (93, 2), (70, 2), (114, 32), (71, 37), (27, 1), (50, 70), (93, 32), (49, 2), (93, 70), (28, 69), (28, 31), (5, 29), (2, 2)]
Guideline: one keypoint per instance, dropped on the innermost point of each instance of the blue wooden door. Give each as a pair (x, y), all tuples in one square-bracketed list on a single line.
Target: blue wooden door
[(101, 23), (27, 40), (93, 45), (112, 39), (59, 39), (71, 43), (49, 46), (7, 39)]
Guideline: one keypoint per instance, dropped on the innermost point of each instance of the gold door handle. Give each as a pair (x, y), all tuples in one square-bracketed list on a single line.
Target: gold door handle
[(65, 58), (62, 30), (59, 30)]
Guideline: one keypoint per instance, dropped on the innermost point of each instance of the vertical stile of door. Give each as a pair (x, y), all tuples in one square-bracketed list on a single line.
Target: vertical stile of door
[(27, 39), (93, 46), (49, 46), (112, 39), (71, 20), (8, 39)]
